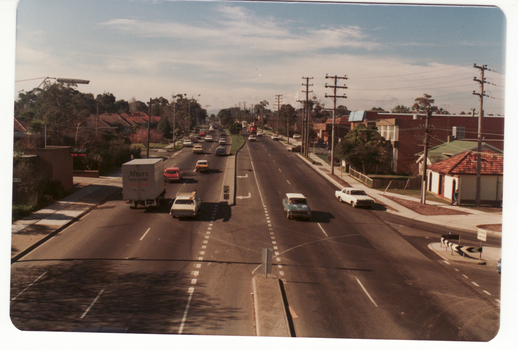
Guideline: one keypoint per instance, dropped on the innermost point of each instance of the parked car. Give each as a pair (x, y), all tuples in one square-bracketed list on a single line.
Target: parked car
[(355, 197), (208, 138), (173, 174), (275, 137), (297, 136), (252, 138), (222, 141), (296, 148), (187, 143), (259, 134), (197, 149), (296, 206), (221, 151)]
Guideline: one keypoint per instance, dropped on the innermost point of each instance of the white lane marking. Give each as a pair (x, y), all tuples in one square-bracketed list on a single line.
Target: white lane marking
[(322, 230), (365, 290), (36, 280), (288, 182), (242, 177), (93, 302), (141, 238), (257, 183), (485, 291), (465, 276), (184, 318), (245, 197), (280, 170), (475, 284)]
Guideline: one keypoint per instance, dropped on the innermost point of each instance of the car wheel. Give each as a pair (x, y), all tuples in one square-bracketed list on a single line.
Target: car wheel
[(340, 199), (288, 216), (353, 204)]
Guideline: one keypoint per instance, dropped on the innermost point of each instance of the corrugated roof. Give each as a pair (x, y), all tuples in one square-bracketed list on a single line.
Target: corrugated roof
[(449, 149)]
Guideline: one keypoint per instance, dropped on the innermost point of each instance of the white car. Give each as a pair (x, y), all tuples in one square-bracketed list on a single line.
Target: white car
[(297, 136), (355, 197), (187, 143), (252, 138), (275, 137), (208, 138), (222, 141)]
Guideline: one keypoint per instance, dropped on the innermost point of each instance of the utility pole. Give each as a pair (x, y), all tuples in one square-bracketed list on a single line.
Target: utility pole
[(148, 127), (278, 99), (425, 154), (334, 96), (480, 95), (305, 127)]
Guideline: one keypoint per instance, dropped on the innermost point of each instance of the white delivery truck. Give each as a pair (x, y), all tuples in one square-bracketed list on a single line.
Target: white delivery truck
[(143, 182)]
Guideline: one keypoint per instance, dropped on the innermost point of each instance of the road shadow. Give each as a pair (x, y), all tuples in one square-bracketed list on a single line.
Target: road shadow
[(131, 295), (321, 217)]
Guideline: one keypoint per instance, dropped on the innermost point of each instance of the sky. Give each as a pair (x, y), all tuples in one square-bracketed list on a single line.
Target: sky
[(241, 53)]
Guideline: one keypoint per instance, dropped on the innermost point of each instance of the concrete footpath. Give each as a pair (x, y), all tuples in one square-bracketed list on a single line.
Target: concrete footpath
[(271, 313)]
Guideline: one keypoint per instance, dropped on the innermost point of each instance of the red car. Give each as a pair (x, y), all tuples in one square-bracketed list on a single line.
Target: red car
[(173, 174), (202, 133)]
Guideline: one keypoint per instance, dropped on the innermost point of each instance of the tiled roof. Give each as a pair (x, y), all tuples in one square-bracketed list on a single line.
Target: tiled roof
[(466, 163), (113, 119)]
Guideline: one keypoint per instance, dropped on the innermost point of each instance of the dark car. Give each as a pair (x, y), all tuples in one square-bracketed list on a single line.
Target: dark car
[(221, 151)]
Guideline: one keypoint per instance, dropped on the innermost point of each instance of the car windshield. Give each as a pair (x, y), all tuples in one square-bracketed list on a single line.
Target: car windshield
[(298, 201), (184, 201), (171, 172)]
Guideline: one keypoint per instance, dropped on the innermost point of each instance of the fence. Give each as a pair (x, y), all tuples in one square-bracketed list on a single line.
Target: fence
[(395, 183)]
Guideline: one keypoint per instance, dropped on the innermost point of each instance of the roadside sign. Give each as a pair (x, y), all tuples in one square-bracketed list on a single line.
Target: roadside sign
[(482, 235)]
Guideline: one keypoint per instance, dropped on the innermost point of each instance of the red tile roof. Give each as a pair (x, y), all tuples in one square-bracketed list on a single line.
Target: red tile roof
[(466, 163)]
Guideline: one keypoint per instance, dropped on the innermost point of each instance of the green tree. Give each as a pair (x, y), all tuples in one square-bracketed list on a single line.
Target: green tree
[(401, 109), (363, 147), (225, 117), (288, 116)]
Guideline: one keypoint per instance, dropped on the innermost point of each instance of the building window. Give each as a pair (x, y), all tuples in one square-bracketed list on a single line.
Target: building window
[(458, 132), (389, 132)]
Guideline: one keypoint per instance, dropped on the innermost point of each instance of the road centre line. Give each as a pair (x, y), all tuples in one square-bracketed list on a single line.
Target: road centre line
[(365, 290), (190, 291), (36, 280), (322, 229), (141, 238), (93, 302)]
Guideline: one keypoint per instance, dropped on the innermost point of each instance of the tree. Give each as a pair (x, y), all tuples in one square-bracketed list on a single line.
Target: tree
[(341, 111), (288, 116), (379, 109), (363, 147), (401, 109), (225, 116)]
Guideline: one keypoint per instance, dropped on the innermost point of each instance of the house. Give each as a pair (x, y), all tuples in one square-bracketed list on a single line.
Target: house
[(460, 172), (449, 149)]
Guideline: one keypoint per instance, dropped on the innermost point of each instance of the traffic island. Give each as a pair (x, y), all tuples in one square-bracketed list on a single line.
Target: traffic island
[(271, 318)]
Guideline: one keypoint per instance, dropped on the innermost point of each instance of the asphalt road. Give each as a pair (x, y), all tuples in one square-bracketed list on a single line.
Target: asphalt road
[(346, 273), (349, 274)]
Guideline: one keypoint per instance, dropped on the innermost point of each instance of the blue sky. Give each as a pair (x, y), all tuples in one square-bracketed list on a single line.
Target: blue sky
[(232, 53)]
